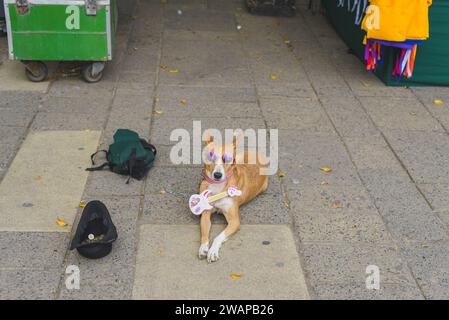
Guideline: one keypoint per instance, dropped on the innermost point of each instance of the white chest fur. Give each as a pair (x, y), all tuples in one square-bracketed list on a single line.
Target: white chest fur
[(223, 204)]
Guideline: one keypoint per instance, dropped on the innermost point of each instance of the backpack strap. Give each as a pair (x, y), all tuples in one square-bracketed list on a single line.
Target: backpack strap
[(148, 145), (101, 167), (93, 155), (131, 163)]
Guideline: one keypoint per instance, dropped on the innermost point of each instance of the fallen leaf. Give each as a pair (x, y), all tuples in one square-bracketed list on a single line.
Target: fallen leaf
[(274, 77), (236, 276), (366, 85), (161, 253), (325, 169), (286, 205), (158, 111), (83, 203), (61, 222), (162, 191), (135, 48), (287, 42), (438, 102), (163, 67), (183, 101), (413, 113), (324, 183), (37, 178), (173, 71), (281, 174), (336, 205), (325, 204)]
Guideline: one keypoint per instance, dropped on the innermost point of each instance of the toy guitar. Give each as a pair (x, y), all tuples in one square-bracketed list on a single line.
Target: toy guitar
[(200, 202)]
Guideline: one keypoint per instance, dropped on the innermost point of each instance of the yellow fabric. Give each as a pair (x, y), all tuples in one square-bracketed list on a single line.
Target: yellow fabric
[(397, 20)]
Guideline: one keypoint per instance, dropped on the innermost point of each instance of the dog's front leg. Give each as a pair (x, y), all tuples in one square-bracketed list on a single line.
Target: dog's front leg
[(205, 229), (233, 219)]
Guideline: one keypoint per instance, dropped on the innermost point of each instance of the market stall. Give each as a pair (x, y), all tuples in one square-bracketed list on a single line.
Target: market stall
[(428, 57)]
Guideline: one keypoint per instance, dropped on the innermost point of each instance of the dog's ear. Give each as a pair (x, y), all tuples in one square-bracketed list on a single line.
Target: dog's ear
[(208, 138)]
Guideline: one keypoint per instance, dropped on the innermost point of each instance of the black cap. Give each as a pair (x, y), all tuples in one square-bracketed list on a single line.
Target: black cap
[(95, 220)]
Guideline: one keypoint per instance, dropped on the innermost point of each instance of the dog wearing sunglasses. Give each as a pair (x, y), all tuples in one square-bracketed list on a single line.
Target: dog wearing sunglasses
[(224, 167)]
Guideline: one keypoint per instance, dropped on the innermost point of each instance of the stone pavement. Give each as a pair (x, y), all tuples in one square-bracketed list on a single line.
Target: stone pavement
[(312, 235)]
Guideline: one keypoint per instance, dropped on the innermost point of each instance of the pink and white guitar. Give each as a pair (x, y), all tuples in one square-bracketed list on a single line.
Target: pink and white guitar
[(200, 202)]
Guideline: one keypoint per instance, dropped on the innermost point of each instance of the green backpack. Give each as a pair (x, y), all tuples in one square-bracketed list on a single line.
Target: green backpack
[(128, 155)]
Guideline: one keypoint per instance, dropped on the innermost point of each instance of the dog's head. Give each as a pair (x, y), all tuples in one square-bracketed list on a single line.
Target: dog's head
[(219, 159)]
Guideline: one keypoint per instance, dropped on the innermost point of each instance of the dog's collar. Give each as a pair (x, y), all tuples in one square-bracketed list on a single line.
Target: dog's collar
[(212, 181)]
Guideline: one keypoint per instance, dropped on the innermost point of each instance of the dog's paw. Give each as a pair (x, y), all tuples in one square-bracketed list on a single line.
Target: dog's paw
[(213, 255), (204, 249)]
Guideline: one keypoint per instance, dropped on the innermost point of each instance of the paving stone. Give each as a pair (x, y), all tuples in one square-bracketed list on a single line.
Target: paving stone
[(129, 112), (12, 77), (10, 139), (40, 187), (405, 211), (424, 154), (112, 276), (177, 109), (32, 250), (341, 225), (338, 263), (107, 183), (163, 126), (358, 291), (348, 116), (163, 159), (436, 194), (200, 20), (429, 262), (137, 80), (299, 114), (405, 114), (113, 282), (69, 121), (368, 85), (220, 64), (15, 118), (74, 88), (181, 180), (81, 105), (265, 209), (428, 97), (160, 273), (18, 100), (19, 284), (301, 157), (301, 90), (198, 95), (323, 198), (372, 152), (168, 209), (142, 59)]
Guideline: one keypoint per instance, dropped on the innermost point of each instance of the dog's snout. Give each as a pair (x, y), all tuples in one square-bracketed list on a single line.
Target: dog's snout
[(218, 175)]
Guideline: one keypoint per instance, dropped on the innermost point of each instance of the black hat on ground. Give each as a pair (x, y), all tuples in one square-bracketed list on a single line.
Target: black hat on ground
[(95, 232)]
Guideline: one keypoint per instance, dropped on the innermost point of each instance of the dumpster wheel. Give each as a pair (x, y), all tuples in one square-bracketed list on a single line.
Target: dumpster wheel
[(36, 71), (93, 72)]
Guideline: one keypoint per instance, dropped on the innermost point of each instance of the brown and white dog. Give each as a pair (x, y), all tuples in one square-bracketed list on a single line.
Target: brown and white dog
[(225, 167)]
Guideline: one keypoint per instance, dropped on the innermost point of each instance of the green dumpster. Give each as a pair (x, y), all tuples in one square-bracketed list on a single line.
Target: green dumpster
[(432, 59), (61, 30)]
